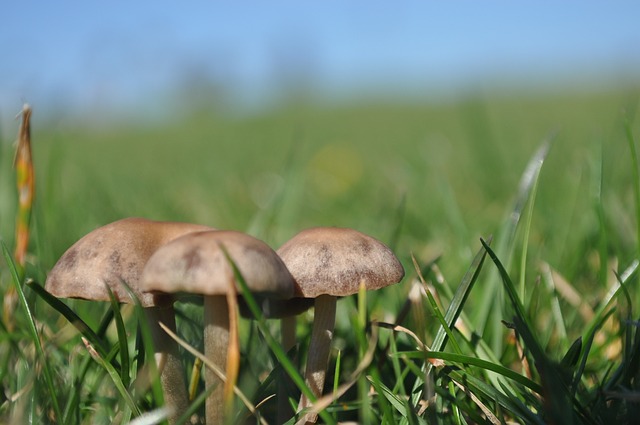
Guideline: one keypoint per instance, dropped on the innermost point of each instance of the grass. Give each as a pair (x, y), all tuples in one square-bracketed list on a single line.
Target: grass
[(516, 220)]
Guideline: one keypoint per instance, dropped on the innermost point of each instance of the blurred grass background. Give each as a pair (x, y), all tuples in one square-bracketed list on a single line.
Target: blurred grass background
[(441, 175)]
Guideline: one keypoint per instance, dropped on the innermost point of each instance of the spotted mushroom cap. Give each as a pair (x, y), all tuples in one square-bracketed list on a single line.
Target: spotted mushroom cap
[(196, 264), (333, 261), (110, 255)]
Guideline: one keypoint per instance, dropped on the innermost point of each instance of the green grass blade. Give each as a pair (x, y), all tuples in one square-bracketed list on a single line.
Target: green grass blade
[(185, 418), (149, 349), (506, 240), (443, 323), (122, 339), (73, 401), (577, 377), (508, 285), (113, 374), (33, 331), (636, 176), (490, 393), (527, 226), (474, 361), (336, 372), (71, 316), (459, 299), (395, 401)]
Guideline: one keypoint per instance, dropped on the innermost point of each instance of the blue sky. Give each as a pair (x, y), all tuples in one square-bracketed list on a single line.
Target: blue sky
[(78, 56)]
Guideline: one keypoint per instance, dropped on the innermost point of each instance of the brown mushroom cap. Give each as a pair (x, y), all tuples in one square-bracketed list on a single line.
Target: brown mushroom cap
[(196, 264), (333, 261), (112, 254)]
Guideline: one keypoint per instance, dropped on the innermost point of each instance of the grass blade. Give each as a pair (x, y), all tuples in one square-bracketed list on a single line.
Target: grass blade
[(505, 243), (149, 348), (113, 374), (25, 182), (84, 329), (33, 331), (487, 392), (122, 339), (474, 361), (636, 176), (73, 402)]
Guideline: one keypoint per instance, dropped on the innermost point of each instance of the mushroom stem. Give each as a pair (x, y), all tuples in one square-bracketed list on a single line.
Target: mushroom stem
[(168, 360), (323, 323), (288, 333), (216, 343)]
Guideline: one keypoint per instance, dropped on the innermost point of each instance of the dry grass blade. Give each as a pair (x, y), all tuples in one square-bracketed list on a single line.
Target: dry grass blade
[(233, 351), (490, 416), (215, 370), (25, 183), (568, 292), (421, 345)]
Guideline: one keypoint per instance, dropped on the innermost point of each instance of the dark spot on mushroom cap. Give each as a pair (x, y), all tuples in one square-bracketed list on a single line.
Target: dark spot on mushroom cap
[(69, 260), (324, 259), (192, 259), (114, 260)]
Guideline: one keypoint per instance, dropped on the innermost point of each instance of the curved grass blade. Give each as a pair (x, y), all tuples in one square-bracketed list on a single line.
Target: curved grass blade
[(474, 361), (506, 241), (436, 308), (527, 226), (488, 392), (559, 402), (508, 285), (33, 331), (73, 402), (149, 349), (113, 374), (97, 342), (577, 377), (122, 339)]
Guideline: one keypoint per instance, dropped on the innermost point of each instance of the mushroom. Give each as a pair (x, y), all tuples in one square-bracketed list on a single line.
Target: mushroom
[(197, 263), (326, 263), (116, 253)]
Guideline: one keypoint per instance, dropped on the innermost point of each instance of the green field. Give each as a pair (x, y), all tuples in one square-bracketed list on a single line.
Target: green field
[(429, 180)]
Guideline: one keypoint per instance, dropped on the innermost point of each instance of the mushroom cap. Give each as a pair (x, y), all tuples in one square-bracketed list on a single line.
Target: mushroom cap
[(196, 263), (110, 255), (333, 261)]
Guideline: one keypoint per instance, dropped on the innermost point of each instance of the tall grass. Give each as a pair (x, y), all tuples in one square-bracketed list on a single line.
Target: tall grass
[(535, 324)]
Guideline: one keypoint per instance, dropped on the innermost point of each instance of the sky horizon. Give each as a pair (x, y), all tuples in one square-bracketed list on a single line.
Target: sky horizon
[(123, 56)]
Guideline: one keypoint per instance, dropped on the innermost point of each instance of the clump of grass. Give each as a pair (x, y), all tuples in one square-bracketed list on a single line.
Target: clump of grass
[(510, 334)]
